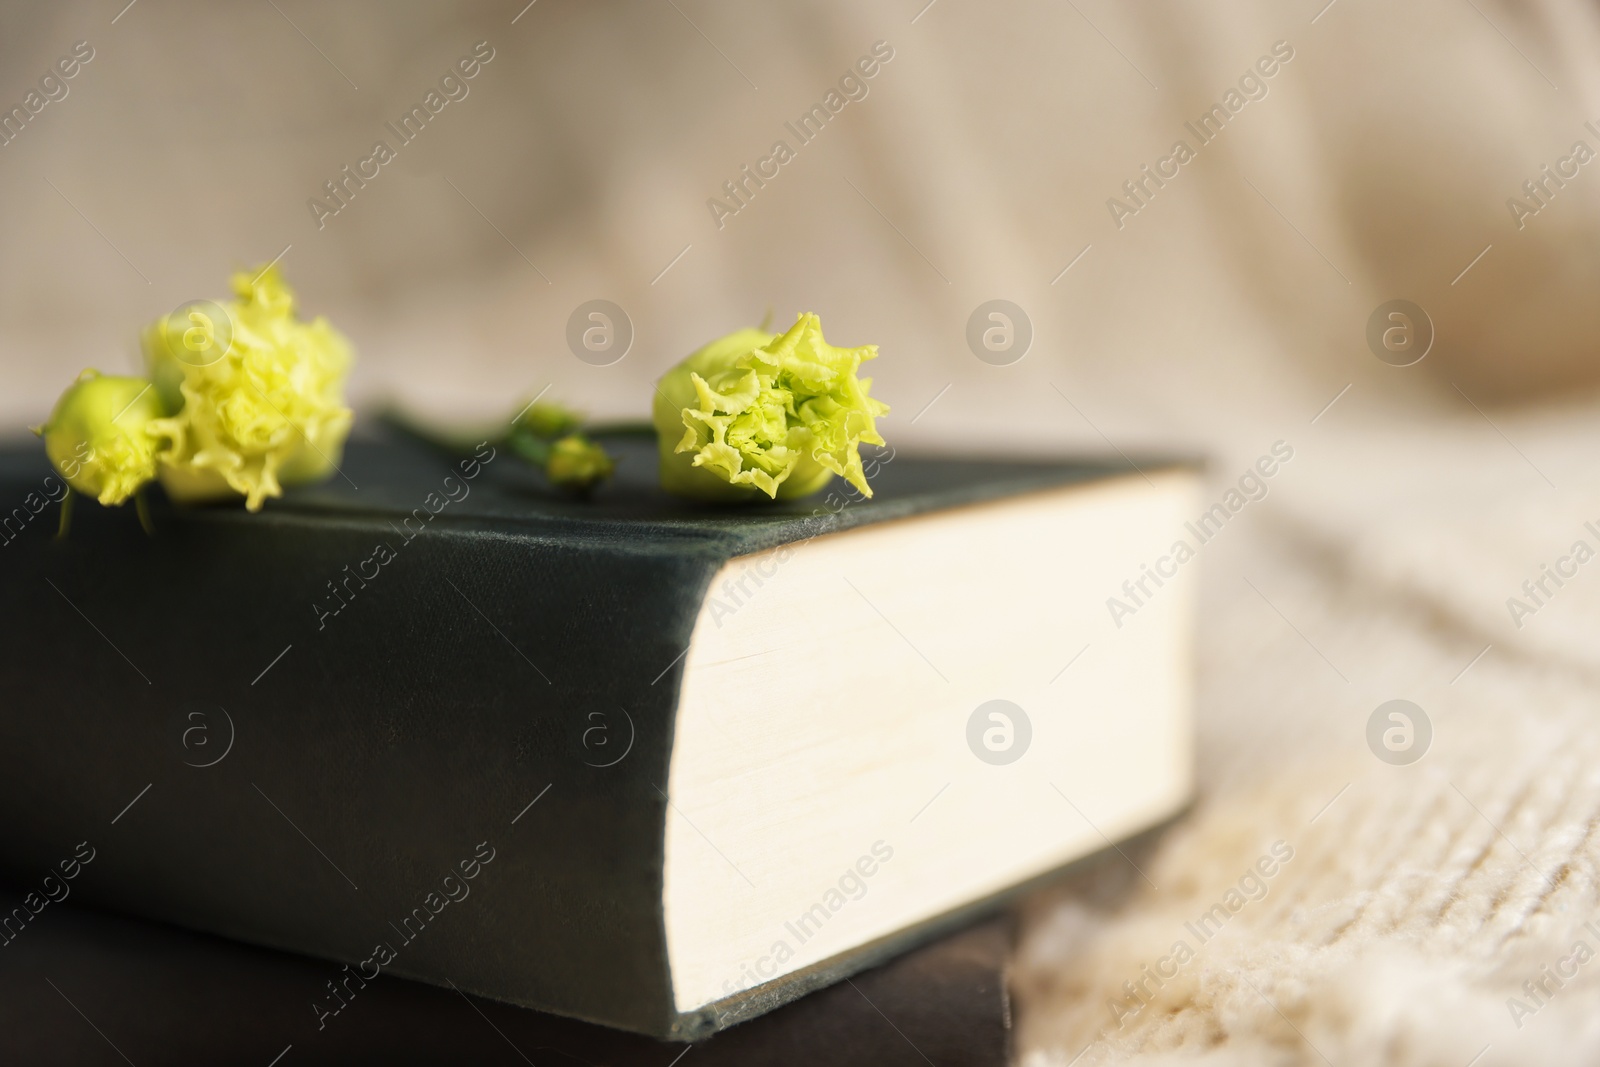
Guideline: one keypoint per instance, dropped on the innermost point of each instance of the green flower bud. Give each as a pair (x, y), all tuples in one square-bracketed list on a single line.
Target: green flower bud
[(577, 463), (545, 418), (751, 413), (98, 436)]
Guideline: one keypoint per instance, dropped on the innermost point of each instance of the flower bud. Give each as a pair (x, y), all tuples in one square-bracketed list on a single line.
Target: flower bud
[(577, 463), (751, 413), (545, 418), (98, 436)]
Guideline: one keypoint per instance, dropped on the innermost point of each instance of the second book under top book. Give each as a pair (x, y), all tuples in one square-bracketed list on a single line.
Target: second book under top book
[(653, 765)]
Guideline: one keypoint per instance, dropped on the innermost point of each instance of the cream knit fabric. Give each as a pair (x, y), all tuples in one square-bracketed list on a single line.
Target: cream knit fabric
[(1430, 914)]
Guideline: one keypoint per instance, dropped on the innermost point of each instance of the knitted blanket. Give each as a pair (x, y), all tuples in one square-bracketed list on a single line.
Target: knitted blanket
[(1348, 889)]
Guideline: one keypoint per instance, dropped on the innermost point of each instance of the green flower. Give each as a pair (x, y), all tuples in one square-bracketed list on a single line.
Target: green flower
[(99, 438), (751, 413), (267, 411)]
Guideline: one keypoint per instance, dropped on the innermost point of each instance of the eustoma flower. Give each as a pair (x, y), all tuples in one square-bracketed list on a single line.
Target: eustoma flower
[(757, 413), (266, 409)]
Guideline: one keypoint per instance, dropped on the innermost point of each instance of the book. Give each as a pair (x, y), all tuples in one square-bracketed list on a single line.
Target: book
[(655, 765), (158, 994)]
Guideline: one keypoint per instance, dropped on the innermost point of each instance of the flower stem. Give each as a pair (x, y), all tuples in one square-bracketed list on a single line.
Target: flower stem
[(66, 515), (451, 444), (529, 447), (620, 428), (142, 507)]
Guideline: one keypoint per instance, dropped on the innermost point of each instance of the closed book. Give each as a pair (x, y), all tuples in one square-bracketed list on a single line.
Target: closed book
[(646, 763)]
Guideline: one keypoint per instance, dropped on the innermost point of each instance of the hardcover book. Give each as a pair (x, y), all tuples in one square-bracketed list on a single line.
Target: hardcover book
[(648, 764)]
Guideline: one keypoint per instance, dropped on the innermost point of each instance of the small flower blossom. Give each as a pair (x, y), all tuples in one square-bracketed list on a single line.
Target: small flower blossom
[(268, 411), (752, 412)]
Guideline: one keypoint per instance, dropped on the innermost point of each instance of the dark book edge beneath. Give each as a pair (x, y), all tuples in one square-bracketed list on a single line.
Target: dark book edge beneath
[(85, 987)]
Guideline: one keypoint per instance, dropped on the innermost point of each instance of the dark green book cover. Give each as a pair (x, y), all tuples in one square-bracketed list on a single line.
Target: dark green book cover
[(417, 720)]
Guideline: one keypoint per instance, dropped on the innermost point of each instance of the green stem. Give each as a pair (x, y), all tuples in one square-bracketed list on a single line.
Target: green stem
[(142, 508), (619, 428), (453, 445), (529, 447), (66, 515)]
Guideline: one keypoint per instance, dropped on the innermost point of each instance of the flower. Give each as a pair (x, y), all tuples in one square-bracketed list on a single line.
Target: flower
[(267, 411), (752, 412), (98, 437)]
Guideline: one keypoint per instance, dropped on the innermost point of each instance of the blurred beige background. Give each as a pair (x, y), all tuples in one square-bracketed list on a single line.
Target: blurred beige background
[(977, 167)]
